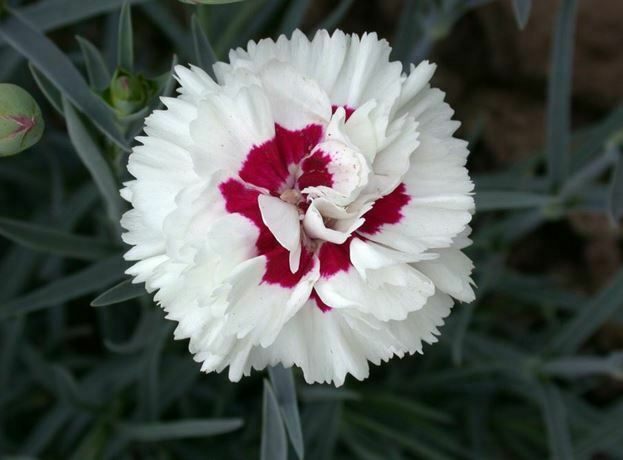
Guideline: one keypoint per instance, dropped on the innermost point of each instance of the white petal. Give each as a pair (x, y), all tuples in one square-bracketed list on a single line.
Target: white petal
[(282, 219), (226, 128), (450, 272), (386, 293), (296, 101)]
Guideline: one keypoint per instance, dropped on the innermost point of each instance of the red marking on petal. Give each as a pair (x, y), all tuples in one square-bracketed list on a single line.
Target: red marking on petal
[(349, 110), (296, 145), (264, 167), (334, 258), (267, 165), (315, 170), (278, 267), (386, 210), (319, 303), (241, 199)]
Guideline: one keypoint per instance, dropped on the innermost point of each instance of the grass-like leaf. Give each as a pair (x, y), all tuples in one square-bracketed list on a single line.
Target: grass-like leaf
[(49, 15), (194, 428), (121, 292), (501, 200), (589, 318), (615, 199), (596, 137), (559, 95), (285, 391), (90, 154), (294, 16), (572, 367), (97, 70), (57, 67), (409, 443), (52, 94), (125, 39), (555, 415), (522, 9), (604, 435), (68, 288), (274, 442), (204, 53), (336, 16), (53, 241)]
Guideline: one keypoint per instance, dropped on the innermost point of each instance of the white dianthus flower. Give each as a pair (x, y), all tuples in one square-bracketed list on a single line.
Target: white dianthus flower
[(308, 208)]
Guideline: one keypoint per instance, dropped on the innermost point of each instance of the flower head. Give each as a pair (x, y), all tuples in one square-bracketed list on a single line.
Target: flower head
[(308, 208)]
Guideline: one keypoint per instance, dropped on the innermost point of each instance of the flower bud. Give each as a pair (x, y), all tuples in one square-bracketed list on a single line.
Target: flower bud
[(129, 93), (21, 123)]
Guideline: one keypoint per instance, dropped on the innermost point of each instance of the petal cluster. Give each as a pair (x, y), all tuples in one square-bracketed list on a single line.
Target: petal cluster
[(308, 207)]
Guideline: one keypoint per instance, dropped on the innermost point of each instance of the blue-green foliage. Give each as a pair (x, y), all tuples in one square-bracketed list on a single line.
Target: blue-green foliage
[(512, 376)]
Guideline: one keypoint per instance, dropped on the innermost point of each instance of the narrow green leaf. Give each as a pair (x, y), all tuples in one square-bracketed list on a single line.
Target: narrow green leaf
[(285, 391), (97, 70), (47, 15), (501, 200), (204, 54), (583, 366), (605, 434), (559, 94), (336, 16), (320, 393), (163, 17), (192, 428), (555, 415), (121, 292), (52, 94), (615, 200), (408, 442), (62, 290), (57, 67), (274, 441), (90, 154), (53, 241), (396, 404), (125, 39), (589, 318), (597, 137), (522, 11), (488, 274), (294, 16), (141, 337)]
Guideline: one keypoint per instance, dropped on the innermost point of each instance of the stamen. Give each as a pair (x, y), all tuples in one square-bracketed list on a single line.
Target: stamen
[(291, 196)]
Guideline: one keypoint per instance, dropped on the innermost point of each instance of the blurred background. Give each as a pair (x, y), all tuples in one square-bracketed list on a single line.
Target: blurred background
[(532, 369)]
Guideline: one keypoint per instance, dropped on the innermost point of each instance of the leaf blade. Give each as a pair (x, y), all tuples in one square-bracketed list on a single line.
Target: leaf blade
[(190, 428), (89, 279), (555, 416), (93, 160), (559, 95), (53, 241), (125, 39), (97, 70), (285, 391), (126, 290), (503, 199), (588, 319), (274, 443), (522, 10), (204, 53)]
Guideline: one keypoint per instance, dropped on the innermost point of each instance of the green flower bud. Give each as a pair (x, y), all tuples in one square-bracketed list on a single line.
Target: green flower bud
[(129, 93), (21, 123)]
